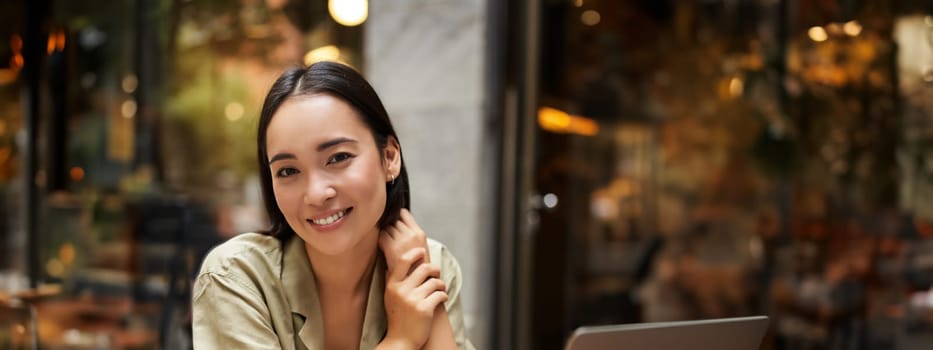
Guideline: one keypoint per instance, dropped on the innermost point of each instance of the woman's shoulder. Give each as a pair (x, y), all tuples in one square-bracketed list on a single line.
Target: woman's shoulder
[(246, 251), (441, 255), (437, 250)]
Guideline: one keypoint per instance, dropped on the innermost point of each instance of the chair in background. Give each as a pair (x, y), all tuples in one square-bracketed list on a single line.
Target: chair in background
[(171, 237), (168, 237)]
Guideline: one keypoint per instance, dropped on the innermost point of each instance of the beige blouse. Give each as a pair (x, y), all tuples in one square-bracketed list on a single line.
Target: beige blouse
[(254, 293)]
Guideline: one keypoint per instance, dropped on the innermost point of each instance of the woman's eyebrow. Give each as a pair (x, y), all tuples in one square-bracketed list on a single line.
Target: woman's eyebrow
[(281, 156), (331, 143)]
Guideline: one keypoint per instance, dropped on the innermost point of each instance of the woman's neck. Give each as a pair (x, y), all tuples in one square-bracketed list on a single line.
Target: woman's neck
[(349, 272)]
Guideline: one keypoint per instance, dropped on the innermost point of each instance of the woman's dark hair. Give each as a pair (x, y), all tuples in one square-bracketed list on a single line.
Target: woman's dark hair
[(347, 84)]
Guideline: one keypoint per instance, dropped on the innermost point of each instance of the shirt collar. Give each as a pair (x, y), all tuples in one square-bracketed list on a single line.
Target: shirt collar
[(301, 291), (374, 323)]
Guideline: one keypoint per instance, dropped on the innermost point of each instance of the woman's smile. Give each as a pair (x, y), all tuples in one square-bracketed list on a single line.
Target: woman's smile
[(329, 221)]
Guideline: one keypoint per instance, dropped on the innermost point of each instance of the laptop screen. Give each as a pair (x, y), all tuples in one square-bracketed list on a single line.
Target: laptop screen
[(741, 333)]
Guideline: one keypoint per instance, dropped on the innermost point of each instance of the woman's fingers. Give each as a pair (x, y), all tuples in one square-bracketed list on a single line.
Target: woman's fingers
[(409, 231), (422, 273), (429, 286), (407, 261), (392, 244), (430, 303), (406, 218), (428, 295), (401, 237), (408, 222), (411, 303)]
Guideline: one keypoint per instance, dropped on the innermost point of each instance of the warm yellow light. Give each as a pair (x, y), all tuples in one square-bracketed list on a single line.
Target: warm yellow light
[(67, 253), (818, 34), (852, 28), (578, 3), (234, 111), (129, 83), (56, 42), (17, 61), (584, 126), (590, 17), (60, 41), (622, 188), (555, 120), (77, 174), (350, 13), (128, 109), (55, 268), (323, 53), (736, 86)]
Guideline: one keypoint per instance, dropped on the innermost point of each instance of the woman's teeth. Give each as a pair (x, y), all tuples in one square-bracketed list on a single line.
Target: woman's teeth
[(330, 219)]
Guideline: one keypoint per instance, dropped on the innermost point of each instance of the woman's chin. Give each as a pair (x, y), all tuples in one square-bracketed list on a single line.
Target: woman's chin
[(335, 241)]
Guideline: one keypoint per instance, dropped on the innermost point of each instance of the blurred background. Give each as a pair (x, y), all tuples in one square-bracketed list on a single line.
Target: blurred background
[(588, 162)]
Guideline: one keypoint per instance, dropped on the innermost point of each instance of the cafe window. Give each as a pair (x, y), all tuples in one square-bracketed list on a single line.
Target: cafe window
[(708, 159), (146, 152), (11, 146)]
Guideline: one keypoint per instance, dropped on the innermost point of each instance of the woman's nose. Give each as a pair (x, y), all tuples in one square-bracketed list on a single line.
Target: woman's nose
[(319, 191)]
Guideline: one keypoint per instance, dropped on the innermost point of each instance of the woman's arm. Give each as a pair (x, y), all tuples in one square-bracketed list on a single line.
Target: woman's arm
[(442, 336), (448, 321), (229, 314)]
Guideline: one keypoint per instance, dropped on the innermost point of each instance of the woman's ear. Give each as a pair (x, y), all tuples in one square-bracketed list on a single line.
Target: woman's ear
[(392, 158)]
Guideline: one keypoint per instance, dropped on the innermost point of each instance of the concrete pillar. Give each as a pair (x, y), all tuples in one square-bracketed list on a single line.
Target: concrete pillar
[(426, 60)]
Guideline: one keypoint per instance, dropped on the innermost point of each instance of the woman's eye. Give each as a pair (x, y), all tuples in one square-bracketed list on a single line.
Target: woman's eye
[(339, 157), (285, 172)]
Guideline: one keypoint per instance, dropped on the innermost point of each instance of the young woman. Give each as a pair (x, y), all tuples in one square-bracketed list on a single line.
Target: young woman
[(344, 265)]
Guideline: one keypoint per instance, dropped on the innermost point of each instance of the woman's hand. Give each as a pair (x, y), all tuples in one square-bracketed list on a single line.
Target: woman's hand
[(413, 286), (402, 237)]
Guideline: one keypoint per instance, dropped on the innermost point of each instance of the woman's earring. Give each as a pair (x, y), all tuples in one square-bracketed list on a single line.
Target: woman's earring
[(392, 180)]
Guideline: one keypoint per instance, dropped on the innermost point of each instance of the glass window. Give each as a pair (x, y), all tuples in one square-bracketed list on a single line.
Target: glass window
[(712, 159), (12, 238), (146, 152)]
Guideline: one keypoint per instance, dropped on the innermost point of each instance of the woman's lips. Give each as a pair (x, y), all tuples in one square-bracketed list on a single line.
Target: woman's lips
[(330, 222)]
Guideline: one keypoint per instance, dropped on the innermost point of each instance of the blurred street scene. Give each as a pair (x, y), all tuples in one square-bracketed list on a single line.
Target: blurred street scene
[(589, 162)]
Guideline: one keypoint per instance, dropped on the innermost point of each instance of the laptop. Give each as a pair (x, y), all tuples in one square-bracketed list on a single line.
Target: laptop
[(740, 333)]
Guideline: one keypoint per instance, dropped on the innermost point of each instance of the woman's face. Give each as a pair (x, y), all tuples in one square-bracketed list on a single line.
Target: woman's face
[(327, 173)]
